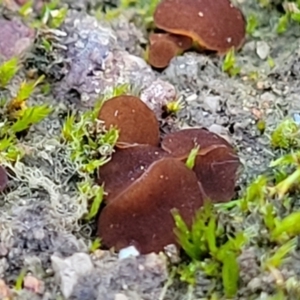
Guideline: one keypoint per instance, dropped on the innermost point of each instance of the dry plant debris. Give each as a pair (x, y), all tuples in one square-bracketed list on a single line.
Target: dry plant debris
[(3, 179)]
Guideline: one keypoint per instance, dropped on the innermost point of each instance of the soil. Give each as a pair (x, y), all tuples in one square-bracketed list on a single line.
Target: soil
[(42, 230)]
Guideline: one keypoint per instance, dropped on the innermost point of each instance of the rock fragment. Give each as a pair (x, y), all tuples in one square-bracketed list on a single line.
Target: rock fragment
[(69, 270), (15, 38)]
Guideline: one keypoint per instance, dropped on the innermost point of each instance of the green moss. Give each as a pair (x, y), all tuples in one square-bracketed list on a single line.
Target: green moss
[(96, 244), (210, 249), (16, 115), (190, 162), (7, 71), (286, 135), (143, 9), (229, 64), (252, 24)]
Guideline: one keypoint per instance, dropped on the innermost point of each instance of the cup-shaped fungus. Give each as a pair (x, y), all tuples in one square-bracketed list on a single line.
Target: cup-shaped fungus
[(136, 122), (126, 166), (215, 25), (216, 163), (161, 52), (164, 46), (141, 214)]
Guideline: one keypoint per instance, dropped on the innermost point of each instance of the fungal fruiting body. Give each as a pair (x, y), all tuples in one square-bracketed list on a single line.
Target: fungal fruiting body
[(136, 122), (145, 178), (216, 163), (141, 214), (215, 25)]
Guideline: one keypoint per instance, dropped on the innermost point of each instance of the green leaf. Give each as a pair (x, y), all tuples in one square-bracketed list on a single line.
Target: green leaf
[(96, 244), (255, 193), (190, 162), (68, 128), (7, 71), (286, 135), (295, 17), (252, 24), (285, 185), (110, 137), (269, 216), (277, 258), (229, 63), (271, 62), (211, 268), (98, 192), (286, 160), (289, 225), (57, 17), (27, 88), (5, 143), (230, 274), (210, 234), (91, 166), (14, 153), (187, 272), (30, 116), (26, 9), (20, 279), (283, 23), (47, 44), (183, 235)]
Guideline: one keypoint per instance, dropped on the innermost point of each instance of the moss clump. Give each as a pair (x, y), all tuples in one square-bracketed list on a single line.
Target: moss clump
[(286, 135), (16, 116), (210, 249)]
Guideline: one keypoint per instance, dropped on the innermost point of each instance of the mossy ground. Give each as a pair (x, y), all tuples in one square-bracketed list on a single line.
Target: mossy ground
[(42, 211)]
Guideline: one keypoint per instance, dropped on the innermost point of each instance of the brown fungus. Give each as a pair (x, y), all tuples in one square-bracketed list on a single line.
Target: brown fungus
[(215, 25), (126, 166), (141, 214), (216, 164), (161, 52), (182, 42), (136, 122), (163, 47)]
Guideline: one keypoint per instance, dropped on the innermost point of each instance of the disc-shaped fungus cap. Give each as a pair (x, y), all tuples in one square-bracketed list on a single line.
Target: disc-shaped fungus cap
[(141, 214), (216, 164), (126, 166), (164, 46), (136, 122), (216, 25), (161, 52)]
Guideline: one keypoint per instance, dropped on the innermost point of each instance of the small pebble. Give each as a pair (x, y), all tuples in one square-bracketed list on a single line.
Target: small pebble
[(69, 269), (127, 252), (262, 50), (121, 297), (212, 102)]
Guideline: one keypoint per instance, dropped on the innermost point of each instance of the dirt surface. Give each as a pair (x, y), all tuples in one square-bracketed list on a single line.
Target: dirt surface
[(41, 210)]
